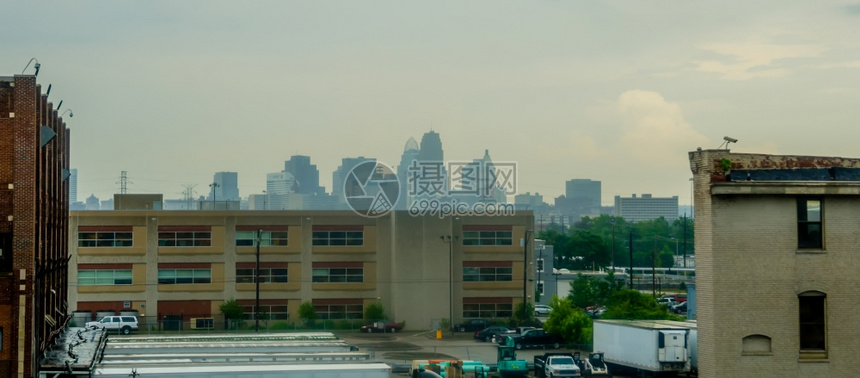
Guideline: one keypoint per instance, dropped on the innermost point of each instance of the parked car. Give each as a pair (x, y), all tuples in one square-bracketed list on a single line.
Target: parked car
[(667, 301), (500, 338), (473, 325), (382, 326), (679, 308), (541, 310), (488, 333), (121, 324), (536, 338)]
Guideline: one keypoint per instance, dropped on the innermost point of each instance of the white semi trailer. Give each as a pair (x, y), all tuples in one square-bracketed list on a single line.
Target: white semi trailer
[(652, 346)]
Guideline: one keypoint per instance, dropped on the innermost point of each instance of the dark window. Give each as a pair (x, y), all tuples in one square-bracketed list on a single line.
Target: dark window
[(813, 328), (267, 238), (267, 312), (809, 226), (277, 275), (107, 277), (487, 310), (339, 311), (487, 238), (184, 238), (339, 275), (184, 276), (105, 239), (338, 238), (487, 274)]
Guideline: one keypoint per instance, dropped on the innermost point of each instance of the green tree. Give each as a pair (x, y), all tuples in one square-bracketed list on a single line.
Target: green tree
[(307, 311), (633, 305), (568, 322), (232, 311), (588, 291), (524, 314), (374, 312)]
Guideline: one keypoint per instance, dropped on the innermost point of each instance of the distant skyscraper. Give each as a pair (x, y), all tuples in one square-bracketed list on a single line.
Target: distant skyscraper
[(339, 176), (582, 198), (431, 147), (306, 174), (73, 185), (227, 188), (279, 185), (92, 202), (410, 154)]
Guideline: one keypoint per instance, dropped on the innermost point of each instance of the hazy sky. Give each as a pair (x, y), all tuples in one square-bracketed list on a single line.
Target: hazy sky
[(616, 91)]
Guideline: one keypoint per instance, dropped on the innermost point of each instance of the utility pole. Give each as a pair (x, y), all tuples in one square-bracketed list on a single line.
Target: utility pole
[(631, 259), (257, 281), (653, 270), (685, 239), (123, 182), (525, 271), (450, 240), (612, 222), (214, 186)]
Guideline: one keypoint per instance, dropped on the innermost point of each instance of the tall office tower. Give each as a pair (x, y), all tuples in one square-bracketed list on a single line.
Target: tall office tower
[(279, 185), (410, 154), (73, 185), (582, 198), (431, 147), (93, 202), (307, 175), (339, 176), (227, 188)]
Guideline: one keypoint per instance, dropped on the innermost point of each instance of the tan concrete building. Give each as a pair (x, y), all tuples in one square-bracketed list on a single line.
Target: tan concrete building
[(777, 239), (187, 263)]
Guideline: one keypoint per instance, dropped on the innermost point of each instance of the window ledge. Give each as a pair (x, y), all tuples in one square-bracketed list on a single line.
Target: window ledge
[(814, 360), (756, 353), (811, 251)]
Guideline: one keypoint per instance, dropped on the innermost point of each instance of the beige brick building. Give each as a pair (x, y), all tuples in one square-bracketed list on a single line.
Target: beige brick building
[(187, 263), (777, 239)]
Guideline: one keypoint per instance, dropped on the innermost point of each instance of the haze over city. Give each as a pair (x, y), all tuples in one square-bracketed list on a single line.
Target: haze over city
[(173, 92)]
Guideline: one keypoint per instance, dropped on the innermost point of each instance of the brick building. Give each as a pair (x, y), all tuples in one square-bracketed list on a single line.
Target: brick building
[(185, 264), (776, 256), (34, 192)]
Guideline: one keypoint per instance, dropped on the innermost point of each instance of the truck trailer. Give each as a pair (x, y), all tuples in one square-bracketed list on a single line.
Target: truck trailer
[(653, 346)]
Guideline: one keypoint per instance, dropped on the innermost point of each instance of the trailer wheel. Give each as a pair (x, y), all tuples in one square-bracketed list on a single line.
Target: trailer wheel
[(556, 345)]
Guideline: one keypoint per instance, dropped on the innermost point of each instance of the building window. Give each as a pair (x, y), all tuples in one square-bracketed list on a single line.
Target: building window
[(338, 275), (813, 327), (487, 238), (540, 287), (267, 275), (488, 310), (184, 238), (339, 311), (184, 276), (104, 239), (267, 238), (809, 226), (487, 274), (334, 238), (267, 312), (104, 277)]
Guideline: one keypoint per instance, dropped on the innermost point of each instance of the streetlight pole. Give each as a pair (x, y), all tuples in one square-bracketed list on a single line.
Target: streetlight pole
[(450, 241), (525, 270), (257, 281), (214, 186)]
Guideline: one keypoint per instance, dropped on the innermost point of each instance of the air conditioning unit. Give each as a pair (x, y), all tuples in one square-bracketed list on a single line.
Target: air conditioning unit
[(202, 323)]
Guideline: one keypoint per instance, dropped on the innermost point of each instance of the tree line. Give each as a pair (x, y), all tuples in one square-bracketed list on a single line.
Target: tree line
[(594, 243)]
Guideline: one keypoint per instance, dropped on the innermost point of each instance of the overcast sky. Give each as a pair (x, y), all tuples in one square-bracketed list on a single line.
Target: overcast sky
[(616, 91)]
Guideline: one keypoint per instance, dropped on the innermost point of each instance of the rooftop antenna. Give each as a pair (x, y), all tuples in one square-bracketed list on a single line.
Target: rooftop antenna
[(727, 141)]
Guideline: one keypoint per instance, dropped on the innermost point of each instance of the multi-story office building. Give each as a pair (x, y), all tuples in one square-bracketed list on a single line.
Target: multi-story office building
[(422, 269), (776, 251), (431, 147), (73, 185), (338, 178), (226, 187), (646, 207), (581, 198), (34, 206), (307, 175), (407, 159)]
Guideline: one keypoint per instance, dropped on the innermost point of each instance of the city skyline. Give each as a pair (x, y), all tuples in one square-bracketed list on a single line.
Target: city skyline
[(567, 90)]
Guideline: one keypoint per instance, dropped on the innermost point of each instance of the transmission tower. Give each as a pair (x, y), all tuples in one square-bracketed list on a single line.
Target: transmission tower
[(123, 183), (188, 194)]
